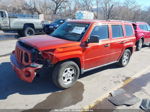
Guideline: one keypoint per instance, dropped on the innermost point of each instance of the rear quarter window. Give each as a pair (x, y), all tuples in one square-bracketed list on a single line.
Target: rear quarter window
[(129, 30), (117, 31), (143, 27)]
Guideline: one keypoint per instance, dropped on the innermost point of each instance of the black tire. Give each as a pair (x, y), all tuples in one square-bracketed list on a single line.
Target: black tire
[(28, 31), (125, 58), (139, 45), (62, 79)]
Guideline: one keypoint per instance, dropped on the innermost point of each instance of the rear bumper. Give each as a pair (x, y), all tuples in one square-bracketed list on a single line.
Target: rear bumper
[(26, 73)]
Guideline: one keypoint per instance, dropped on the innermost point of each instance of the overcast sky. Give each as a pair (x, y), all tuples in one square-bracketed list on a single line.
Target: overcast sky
[(144, 3)]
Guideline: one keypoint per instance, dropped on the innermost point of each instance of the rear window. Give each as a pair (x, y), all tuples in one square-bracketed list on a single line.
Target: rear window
[(129, 30), (148, 27), (101, 32), (117, 31), (143, 27)]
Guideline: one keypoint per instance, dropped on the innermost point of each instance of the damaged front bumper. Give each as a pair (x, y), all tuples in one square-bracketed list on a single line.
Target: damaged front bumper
[(26, 73)]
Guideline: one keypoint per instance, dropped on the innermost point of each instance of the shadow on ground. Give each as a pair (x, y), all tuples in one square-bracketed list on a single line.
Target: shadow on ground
[(11, 84), (7, 36), (112, 66), (58, 99)]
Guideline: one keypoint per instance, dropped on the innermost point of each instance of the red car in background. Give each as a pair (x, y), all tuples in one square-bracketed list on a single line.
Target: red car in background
[(142, 32)]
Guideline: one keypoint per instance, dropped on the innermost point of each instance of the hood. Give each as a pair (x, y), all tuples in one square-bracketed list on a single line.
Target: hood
[(46, 42), (54, 24)]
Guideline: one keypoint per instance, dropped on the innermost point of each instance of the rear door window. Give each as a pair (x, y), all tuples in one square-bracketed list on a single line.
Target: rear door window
[(101, 31), (129, 30), (117, 31)]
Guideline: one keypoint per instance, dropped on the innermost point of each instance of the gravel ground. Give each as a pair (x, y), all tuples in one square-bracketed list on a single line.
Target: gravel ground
[(7, 43), (7, 47)]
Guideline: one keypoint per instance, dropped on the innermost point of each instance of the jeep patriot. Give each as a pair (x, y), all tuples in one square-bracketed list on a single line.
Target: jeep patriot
[(75, 47)]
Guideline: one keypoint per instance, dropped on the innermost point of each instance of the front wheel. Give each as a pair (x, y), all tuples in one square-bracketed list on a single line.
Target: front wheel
[(125, 58), (65, 74)]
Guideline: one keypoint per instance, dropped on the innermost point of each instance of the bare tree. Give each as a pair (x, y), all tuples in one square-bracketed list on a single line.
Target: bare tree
[(58, 4), (103, 9), (32, 6), (107, 6), (129, 10)]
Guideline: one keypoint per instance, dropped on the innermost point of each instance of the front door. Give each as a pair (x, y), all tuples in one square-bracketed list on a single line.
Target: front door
[(96, 54)]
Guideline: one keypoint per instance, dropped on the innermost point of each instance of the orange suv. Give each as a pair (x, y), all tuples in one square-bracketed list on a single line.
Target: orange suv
[(75, 47)]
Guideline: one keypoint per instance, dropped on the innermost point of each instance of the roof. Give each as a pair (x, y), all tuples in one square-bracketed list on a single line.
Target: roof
[(96, 21)]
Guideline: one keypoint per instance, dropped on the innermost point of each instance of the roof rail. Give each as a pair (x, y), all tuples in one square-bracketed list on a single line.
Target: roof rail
[(140, 22), (118, 20)]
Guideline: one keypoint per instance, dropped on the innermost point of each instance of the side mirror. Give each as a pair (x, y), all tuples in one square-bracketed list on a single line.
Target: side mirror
[(94, 39)]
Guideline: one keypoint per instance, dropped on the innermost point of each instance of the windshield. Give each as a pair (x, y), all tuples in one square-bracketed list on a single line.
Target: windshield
[(71, 31)]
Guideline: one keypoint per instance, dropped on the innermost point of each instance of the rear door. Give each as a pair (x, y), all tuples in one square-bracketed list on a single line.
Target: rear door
[(97, 54), (117, 41)]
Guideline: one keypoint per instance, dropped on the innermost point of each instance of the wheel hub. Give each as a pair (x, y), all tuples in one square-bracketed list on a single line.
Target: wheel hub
[(126, 58), (68, 75), (30, 32)]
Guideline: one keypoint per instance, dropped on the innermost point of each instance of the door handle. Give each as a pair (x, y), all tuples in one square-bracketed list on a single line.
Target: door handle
[(107, 45), (122, 42)]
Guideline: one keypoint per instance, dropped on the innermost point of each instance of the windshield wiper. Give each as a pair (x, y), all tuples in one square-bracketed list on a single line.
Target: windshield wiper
[(58, 36)]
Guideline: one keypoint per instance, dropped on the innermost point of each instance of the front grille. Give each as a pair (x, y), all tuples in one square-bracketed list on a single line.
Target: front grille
[(26, 54), (23, 57), (19, 55)]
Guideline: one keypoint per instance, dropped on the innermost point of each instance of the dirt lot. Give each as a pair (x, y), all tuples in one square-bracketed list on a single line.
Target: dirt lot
[(91, 87)]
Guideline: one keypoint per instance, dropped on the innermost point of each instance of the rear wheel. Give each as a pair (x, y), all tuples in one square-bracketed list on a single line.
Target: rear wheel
[(139, 45), (65, 74), (125, 58), (28, 31)]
